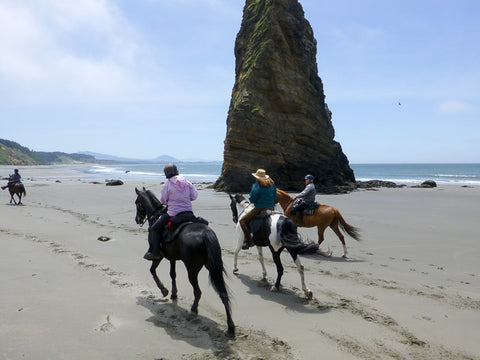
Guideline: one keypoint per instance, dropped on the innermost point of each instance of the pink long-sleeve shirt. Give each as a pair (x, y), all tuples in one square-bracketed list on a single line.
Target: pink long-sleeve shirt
[(178, 193)]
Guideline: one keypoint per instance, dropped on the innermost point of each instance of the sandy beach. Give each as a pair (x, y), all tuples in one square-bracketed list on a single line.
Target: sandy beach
[(410, 288)]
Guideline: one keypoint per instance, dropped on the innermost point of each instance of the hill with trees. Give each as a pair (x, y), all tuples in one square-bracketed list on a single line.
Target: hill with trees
[(12, 153)]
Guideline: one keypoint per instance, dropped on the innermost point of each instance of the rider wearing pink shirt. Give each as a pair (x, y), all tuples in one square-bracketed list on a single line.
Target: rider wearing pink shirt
[(178, 194)]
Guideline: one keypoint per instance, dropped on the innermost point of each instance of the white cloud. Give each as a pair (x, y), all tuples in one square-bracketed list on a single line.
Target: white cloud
[(62, 50), (454, 106)]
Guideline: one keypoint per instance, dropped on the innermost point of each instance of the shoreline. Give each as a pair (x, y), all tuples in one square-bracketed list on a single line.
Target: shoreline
[(410, 289), (73, 172)]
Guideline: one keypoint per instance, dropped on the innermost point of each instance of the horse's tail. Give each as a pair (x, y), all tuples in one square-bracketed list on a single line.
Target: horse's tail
[(289, 237), (353, 231), (215, 265), (22, 189)]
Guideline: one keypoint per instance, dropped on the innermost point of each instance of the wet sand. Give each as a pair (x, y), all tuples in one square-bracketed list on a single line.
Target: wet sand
[(409, 290)]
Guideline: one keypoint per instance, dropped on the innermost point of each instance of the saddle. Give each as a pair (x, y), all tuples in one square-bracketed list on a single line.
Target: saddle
[(178, 222), (259, 227), (310, 210)]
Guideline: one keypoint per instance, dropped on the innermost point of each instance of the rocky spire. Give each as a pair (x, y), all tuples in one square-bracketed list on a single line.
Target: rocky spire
[(278, 119)]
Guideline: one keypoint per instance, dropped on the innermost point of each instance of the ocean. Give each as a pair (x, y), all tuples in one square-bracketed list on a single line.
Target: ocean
[(409, 174)]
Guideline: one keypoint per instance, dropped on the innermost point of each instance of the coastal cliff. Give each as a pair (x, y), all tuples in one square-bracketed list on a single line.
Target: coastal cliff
[(278, 119)]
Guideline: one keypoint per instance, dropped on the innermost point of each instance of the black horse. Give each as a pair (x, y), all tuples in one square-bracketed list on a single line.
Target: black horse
[(15, 189), (196, 245)]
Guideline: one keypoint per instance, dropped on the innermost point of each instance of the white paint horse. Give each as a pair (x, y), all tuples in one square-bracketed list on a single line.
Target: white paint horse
[(283, 235)]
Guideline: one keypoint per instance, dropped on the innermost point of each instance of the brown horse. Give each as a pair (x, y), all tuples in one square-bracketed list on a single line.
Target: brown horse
[(16, 189), (323, 216)]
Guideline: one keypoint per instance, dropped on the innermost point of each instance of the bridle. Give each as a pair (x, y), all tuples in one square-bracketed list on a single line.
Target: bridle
[(155, 213)]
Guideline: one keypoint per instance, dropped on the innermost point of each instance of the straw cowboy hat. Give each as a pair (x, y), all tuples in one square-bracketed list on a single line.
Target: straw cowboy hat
[(260, 174)]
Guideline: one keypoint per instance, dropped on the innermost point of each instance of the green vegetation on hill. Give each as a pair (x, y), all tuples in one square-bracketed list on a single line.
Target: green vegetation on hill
[(12, 153)]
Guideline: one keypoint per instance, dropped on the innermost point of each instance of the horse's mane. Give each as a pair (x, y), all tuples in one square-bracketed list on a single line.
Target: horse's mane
[(284, 193), (153, 199)]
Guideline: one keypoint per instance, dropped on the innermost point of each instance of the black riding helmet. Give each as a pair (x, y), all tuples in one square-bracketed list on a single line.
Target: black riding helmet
[(170, 170)]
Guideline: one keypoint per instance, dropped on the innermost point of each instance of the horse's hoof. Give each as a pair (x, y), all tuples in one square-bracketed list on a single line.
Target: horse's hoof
[(345, 256), (164, 292), (274, 289), (309, 295), (230, 333), (235, 270)]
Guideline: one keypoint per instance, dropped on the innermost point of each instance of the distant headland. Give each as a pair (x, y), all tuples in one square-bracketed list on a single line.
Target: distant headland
[(12, 153)]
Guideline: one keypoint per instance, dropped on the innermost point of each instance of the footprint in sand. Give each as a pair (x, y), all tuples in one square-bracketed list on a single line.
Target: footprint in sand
[(106, 326)]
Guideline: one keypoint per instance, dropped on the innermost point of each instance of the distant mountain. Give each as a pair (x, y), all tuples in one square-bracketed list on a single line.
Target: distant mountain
[(106, 157), (12, 153), (159, 159)]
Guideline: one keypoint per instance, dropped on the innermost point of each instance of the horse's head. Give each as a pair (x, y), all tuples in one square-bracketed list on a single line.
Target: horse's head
[(148, 206), (233, 207), (140, 205)]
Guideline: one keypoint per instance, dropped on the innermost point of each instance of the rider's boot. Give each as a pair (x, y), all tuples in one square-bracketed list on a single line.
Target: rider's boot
[(155, 249)]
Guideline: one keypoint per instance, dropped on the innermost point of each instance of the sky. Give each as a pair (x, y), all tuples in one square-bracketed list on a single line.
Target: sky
[(143, 78)]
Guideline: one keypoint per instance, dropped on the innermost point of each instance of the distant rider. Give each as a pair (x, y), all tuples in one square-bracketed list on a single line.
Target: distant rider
[(13, 179), (178, 194), (305, 199), (263, 195)]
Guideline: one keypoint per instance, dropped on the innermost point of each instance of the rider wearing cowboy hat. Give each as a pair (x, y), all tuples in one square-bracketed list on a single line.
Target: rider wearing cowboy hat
[(306, 198), (262, 195)]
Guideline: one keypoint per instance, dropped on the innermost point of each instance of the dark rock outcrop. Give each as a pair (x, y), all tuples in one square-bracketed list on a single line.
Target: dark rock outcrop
[(377, 184), (428, 184), (114, 182), (278, 119)]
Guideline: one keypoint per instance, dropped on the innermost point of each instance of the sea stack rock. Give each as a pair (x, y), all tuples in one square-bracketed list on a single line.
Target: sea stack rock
[(278, 119)]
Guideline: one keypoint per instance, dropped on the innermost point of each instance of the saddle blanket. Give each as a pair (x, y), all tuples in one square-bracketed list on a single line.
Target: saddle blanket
[(260, 228), (178, 222)]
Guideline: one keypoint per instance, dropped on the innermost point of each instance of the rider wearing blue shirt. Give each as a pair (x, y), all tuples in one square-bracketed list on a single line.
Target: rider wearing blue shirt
[(263, 196)]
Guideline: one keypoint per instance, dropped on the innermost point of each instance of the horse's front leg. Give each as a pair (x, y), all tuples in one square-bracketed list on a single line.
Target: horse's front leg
[(301, 270), (278, 264), (173, 276), (240, 239), (153, 271)]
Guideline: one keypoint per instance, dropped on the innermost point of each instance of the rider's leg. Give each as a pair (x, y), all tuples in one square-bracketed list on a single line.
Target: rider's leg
[(299, 219), (155, 238), (244, 221)]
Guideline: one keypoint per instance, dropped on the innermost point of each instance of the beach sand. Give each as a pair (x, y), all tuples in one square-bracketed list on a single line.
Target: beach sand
[(409, 290)]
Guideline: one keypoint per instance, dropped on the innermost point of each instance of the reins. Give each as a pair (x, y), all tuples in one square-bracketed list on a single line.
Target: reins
[(155, 213)]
